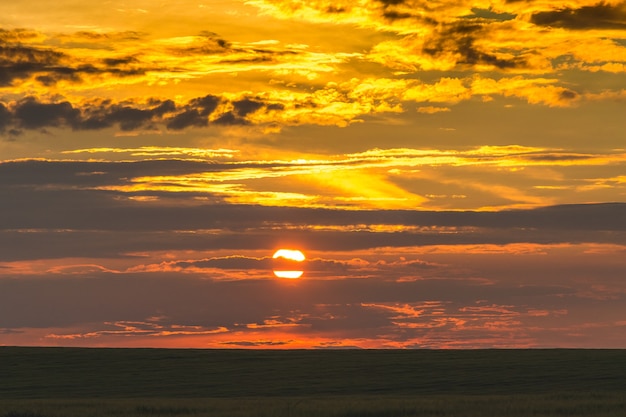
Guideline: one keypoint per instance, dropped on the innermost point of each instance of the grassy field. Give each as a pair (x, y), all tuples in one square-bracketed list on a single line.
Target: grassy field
[(64, 382)]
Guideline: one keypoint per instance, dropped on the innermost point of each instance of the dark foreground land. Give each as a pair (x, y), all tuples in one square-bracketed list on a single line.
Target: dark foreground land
[(69, 382)]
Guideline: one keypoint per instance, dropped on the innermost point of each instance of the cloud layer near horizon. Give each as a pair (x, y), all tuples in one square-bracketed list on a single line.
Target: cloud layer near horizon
[(86, 264)]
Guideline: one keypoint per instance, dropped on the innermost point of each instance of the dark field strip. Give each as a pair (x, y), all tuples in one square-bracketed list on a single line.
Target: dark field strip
[(528, 405), (75, 373)]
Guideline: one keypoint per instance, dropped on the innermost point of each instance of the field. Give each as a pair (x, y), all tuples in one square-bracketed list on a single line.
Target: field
[(70, 382)]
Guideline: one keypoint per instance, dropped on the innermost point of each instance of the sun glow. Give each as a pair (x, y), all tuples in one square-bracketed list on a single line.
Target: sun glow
[(285, 263)]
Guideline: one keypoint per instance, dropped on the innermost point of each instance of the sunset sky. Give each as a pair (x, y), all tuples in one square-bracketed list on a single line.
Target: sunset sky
[(454, 172)]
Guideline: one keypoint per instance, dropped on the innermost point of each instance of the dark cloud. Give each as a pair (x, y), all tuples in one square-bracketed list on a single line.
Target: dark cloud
[(32, 113), (395, 15), (230, 119), (117, 36), (391, 12), (568, 95), (282, 264), (247, 106), (599, 16), (349, 318), (114, 62), (332, 9), (130, 118), (228, 262), (391, 2), (459, 39), (473, 56), (65, 209), (187, 118), (275, 106), (112, 241), (17, 35), (60, 303), (63, 191), (195, 113), (431, 312), (19, 62), (46, 174), (22, 54), (250, 60), (209, 44), (354, 308), (326, 266), (5, 117), (559, 156), (46, 80), (490, 14), (214, 36), (245, 343), (204, 106)]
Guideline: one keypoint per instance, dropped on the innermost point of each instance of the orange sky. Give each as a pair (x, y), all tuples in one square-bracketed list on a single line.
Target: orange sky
[(454, 173)]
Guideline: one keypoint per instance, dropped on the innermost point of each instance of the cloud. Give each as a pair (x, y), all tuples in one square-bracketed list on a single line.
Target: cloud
[(258, 267), (19, 35), (33, 113), (122, 36), (534, 90), (428, 313), (49, 66), (139, 329), (599, 16), (458, 42), (118, 59), (51, 212), (432, 109), (5, 117), (462, 42), (456, 36), (384, 15), (372, 179), (128, 117), (195, 113), (207, 43), (30, 113), (262, 343), (391, 2), (228, 262), (65, 191), (246, 106), (19, 61)]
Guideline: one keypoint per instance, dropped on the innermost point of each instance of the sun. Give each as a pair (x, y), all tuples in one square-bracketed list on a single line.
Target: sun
[(291, 254), (287, 263)]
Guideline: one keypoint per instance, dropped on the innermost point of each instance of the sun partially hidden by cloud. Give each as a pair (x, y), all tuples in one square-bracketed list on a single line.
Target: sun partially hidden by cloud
[(288, 263)]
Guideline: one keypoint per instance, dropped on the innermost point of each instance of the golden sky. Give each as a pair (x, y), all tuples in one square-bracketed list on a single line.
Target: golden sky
[(454, 172)]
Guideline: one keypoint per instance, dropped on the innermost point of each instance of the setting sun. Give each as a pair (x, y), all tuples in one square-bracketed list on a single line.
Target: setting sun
[(284, 262)]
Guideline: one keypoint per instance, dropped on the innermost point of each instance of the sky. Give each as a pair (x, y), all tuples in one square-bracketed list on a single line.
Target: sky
[(454, 172)]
